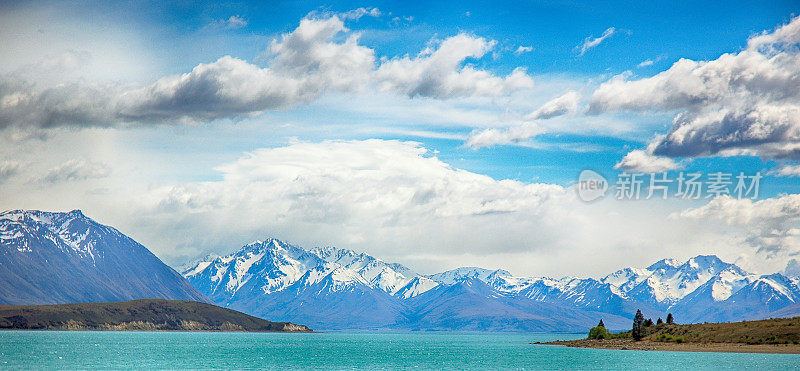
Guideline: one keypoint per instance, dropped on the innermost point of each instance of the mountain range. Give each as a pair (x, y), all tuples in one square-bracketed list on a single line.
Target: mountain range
[(331, 288), (54, 258), (49, 258)]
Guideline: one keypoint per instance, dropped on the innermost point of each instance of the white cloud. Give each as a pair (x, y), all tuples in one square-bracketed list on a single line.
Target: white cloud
[(746, 211), (490, 137), (523, 49), (395, 200), (233, 22), (8, 169), (644, 161), (356, 14), (391, 199), (591, 42), (76, 170), (770, 224), (564, 104), (641, 161), (303, 65), (787, 171), (441, 73), (742, 103), (335, 191)]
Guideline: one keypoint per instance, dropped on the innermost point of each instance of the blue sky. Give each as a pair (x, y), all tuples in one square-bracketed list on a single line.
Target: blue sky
[(662, 32), (167, 102)]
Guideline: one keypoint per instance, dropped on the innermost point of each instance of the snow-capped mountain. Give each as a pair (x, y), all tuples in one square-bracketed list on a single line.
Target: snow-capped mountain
[(666, 282), (333, 288), (50, 258), (325, 287)]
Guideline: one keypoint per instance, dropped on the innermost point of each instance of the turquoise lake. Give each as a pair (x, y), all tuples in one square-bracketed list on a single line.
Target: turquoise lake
[(205, 350)]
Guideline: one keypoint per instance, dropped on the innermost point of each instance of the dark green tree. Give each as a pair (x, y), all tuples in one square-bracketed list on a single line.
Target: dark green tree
[(670, 320), (601, 324), (659, 321), (638, 325), (648, 322)]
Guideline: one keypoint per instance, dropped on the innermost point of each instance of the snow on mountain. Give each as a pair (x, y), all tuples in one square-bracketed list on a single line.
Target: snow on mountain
[(727, 282), (52, 257), (416, 286), (268, 266), (272, 265), (625, 280), (667, 281), (69, 231), (467, 273), (289, 283), (389, 277)]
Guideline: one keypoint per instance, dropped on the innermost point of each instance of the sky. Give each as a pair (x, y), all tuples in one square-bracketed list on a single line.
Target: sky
[(433, 135)]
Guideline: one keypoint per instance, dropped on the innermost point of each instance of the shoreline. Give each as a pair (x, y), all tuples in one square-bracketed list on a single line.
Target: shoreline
[(648, 345)]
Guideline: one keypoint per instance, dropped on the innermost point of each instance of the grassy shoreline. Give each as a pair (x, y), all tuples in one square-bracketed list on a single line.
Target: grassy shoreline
[(648, 345), (781, 335)]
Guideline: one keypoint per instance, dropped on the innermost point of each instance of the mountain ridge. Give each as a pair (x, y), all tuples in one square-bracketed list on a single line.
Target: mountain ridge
[(54, 258), (697, 289)]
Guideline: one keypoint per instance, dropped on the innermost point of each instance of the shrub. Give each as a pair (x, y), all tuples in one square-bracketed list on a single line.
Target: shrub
[(669, 338), (599, 333)]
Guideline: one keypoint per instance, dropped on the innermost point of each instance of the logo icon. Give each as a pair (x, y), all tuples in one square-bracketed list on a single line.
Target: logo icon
[(591, 185)]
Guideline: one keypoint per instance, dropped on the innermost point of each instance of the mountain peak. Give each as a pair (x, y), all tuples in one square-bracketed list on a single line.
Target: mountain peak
[(468, 273), (77, 213), (668, 263), (50, 218), (705, 261), (104, 264)]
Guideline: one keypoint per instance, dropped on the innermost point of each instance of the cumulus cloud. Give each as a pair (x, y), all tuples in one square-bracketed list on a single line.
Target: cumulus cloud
[(392, 199), (398, 201), (356, 14), (304, 64), (787, 171), (76, 170), (359, 173), (357, 192), (746, 211), (562, 105), (644, 161), (523, 49), (514, 134), (771, 223), (234, 22), (641, 161), (441, 73), (740, 103), (591, 42)]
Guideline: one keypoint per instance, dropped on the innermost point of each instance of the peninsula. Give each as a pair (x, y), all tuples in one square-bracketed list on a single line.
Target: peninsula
[(137, 315)]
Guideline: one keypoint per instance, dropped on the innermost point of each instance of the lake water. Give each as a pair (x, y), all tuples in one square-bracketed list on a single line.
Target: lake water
[(203, 350)]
